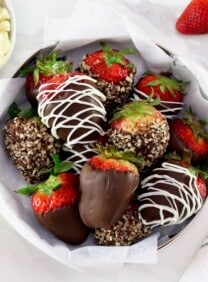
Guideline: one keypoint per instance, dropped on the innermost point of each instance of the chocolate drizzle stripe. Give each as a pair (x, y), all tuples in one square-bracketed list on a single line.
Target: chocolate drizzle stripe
[(170, 109), (54, 97), (187, 196)]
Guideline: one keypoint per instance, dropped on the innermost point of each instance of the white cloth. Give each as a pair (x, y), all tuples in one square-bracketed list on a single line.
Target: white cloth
[(197, 271)]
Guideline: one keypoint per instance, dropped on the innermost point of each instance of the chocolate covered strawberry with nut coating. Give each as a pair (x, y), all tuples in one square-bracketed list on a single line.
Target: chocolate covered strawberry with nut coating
[(29, 143), (139, 127), (113, 71), (108, 182)]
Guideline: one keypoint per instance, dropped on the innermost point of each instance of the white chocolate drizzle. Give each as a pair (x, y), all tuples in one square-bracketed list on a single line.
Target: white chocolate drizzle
[(169, 109), (58, 100), (79, 157), (188, 197)]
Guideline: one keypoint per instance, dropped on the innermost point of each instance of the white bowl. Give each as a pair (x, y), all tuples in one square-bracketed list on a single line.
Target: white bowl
[(12, 34), (17, 210)]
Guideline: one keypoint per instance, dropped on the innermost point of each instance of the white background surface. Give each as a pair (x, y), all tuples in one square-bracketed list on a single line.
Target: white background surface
[(19, 260)]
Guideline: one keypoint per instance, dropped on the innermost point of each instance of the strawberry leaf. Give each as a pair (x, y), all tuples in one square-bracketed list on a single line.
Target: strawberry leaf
[(28, 113), (36, 75), (111, 152), (168, 83), (60, 167), (14, 111), (48, 65), (114, 56), (27, 190)]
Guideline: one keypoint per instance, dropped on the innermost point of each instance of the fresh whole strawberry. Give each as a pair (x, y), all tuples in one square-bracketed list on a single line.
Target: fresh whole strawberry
[(188, 134), (162, 86), (140, 128), (113, 71), (43, 70), (55, 203), (108, 182), (194, 19)]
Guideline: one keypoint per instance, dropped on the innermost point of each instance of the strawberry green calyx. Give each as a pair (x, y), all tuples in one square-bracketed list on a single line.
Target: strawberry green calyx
[(52, 183), (60, 167), (46, 187), (113, 56), (48, 65), (111, 152), (167, 83), (136, 109), (14, 111), (197, 125)]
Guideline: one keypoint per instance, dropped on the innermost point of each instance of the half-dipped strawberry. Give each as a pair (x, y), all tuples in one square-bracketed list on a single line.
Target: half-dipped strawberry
[(42, 71), (188, 134), (169, 90), (140, 128), (55, 204), (113, 71), (107, 184)]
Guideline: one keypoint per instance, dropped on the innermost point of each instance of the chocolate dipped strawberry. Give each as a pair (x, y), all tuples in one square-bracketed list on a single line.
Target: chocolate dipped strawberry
[(188, 133), (169, 90), (113, 71), (55, 204), (170, 195), (108, 182), (126, 231), (26, 138), (139, 127), (42, 71), (72, 107)]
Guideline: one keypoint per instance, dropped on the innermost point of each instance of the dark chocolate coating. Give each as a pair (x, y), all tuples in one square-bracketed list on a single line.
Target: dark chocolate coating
[(169, 196), (175, 145), (66, 224), (105, 195), (71, 110), (31, 94)]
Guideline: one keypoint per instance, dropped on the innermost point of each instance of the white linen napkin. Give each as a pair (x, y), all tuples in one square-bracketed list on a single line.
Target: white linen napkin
[(197, 271)]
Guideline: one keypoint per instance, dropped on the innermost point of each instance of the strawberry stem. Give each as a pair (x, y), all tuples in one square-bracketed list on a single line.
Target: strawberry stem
[(111, 152), (46, 187), (48, 65), (136, 109), (60, 167), (114, 56)]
